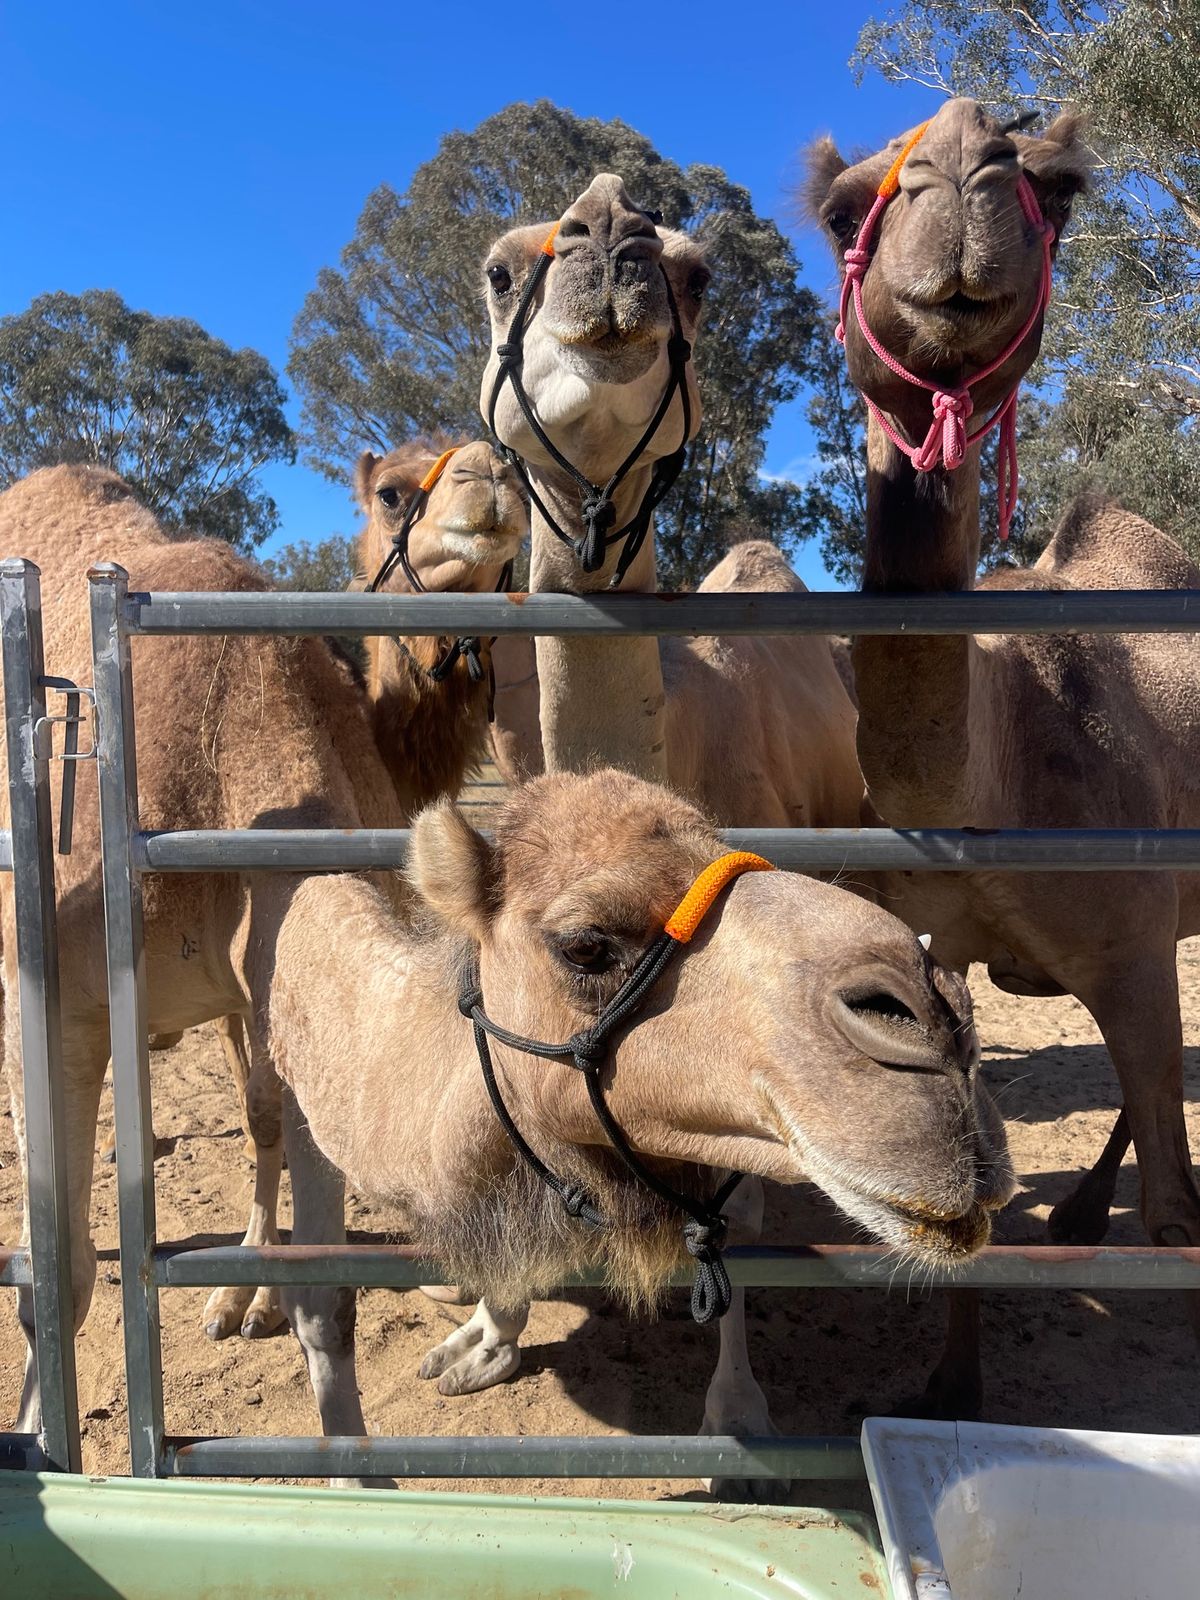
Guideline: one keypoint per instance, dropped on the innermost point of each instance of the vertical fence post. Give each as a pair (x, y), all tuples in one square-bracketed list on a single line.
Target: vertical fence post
[(38, 1000), (128, 1019)]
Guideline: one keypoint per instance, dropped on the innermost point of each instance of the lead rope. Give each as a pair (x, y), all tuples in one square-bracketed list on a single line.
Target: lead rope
[(947, 441), (469, 647), (596, 504), (587, 1051)]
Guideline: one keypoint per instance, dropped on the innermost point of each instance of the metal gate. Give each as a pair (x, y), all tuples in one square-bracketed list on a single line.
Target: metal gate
[(129, 853)]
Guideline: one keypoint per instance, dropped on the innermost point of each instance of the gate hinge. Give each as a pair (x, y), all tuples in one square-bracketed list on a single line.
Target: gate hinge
[(43, 747)]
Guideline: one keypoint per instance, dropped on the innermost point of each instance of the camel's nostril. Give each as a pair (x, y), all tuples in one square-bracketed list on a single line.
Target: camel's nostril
[(573, 228), (880, 1004)]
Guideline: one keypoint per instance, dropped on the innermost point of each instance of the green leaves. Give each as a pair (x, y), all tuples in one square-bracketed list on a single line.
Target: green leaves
[(188, 421), (393, 341)]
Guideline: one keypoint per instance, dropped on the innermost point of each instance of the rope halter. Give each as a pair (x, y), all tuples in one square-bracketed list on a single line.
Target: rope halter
[(947, 442), (588, 1050), (596, 500), (469, 647)]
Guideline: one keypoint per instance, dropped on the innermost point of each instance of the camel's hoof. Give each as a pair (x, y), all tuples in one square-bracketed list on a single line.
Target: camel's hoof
[(108, 1153), (479, 1367), (262, 1324), (1076, 1224), (750, 1491), (224, 1325)]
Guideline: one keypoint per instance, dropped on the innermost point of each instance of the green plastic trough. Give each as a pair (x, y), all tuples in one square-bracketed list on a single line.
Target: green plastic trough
[(65, 1538)]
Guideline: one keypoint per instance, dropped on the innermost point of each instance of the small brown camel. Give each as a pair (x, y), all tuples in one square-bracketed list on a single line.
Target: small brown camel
[(1052, 731), (831, 1001), (432, 733)]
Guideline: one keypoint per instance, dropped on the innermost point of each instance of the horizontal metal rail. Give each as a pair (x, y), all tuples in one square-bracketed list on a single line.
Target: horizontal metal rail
[(619, 615), (15, 1272), (648, 1456), (913, 850), (760, 1266)]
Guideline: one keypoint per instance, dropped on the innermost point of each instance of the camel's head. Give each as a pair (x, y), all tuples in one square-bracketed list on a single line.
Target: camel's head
[(956, 266), (805, 1033), (469, 529), (595, 347)]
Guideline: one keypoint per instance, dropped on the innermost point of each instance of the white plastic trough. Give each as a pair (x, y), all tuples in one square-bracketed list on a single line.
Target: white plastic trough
[(971, 1511)]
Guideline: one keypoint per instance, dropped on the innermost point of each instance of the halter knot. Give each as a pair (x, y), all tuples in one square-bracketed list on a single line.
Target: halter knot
[(587, 1048), (576, 1203), (511, 354), (468, 999), (679, 350), (711, 1292), (599, 514)]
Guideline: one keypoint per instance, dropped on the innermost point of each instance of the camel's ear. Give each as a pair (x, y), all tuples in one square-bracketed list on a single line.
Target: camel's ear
[(835, 195), (453, 869), (362, 478), (1058, 164)]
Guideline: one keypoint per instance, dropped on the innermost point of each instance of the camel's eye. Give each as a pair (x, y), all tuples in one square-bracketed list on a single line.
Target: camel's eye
[(842, 225), (698, 281), (586, 951), (390, 497), (500, 278)]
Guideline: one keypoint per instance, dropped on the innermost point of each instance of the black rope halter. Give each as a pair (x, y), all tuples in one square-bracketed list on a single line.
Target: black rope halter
[(469, 647), (596, 501), (587, 1051)]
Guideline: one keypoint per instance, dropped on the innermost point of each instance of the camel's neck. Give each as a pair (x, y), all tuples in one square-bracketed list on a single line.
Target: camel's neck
[(601, 700), (914, 692), (364, 1025), (430, 734)]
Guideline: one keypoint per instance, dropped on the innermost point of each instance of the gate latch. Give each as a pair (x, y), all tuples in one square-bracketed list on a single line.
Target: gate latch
[(43, 748)]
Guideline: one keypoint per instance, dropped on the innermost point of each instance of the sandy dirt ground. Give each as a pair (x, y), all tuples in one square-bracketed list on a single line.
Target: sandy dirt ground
[(1120, 1360)]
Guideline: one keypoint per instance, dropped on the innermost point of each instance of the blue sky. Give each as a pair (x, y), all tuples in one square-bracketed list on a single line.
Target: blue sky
[(207, 161)]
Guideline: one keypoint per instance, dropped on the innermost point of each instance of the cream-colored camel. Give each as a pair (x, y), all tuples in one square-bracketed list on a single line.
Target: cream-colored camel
[(795, 1002), (759, 731), (1058, 731), (433, 733)]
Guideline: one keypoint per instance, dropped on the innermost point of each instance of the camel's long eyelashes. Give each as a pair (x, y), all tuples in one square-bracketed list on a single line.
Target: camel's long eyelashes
[(499, 277), (587, 950), (388, 496)]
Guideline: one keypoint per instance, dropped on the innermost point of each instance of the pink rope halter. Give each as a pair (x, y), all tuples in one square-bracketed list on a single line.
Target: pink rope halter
[(947, 442)]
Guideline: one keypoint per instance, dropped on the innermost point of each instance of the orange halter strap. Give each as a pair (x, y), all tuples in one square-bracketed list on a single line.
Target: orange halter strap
[(587, 1050)]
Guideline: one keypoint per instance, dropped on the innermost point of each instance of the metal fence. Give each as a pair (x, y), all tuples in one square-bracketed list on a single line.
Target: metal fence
[(129, 853)]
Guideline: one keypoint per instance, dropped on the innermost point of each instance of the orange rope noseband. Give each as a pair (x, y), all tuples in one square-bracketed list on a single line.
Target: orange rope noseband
[(436, 470), (697, 902)]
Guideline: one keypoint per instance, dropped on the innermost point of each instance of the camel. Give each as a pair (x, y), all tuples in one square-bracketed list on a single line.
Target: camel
[(432, 733), (760, 732), (353, 990), (1058, 731)]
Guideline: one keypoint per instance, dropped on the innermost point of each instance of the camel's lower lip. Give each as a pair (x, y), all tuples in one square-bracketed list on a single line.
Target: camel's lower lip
[(946, 1239)]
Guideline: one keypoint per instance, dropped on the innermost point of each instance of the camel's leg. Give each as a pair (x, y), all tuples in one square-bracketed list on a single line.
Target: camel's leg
[(734, 1403), (480, 1352), (231, 1031), (954, 1392), (1082, 1218), (1136, 1008), (256, 1312), (449, 1294), (323, 1318), (84, 1056)]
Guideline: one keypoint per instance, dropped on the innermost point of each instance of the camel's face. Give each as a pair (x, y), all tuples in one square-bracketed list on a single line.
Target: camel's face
[(595, 360), (472, 524), (956, 266), (805, 1032)]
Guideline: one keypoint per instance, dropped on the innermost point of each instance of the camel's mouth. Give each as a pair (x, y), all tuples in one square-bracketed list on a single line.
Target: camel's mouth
[(961, 306), (479, 546), (941, 1239)]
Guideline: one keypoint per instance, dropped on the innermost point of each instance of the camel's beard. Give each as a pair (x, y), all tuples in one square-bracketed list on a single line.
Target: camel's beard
[(511, 1239)]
